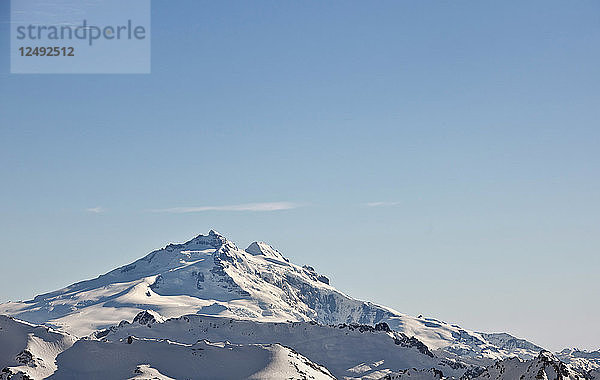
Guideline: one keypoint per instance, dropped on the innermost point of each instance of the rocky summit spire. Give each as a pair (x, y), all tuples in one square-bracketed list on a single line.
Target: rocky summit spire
[(213, 239)]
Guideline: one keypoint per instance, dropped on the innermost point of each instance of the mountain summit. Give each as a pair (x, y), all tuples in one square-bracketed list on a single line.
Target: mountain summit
[(213, 239)]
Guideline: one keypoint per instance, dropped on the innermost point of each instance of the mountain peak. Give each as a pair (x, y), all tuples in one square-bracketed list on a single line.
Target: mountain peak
[(213, 233), (259, 248), (212, 239)]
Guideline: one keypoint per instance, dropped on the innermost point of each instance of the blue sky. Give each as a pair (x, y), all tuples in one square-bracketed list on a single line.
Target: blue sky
[(440, 158)]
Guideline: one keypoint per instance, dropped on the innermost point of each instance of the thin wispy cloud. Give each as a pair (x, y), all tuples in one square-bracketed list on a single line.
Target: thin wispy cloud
[(382, 204), (95, 210), (264, 206)]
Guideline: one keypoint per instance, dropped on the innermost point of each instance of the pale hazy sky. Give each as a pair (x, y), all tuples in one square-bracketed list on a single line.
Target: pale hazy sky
[(441, 158)]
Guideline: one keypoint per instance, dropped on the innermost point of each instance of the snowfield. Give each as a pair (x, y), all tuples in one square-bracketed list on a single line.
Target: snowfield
[(37, 352), (30, 349), (178, 309), (90, 359), (348, 351)]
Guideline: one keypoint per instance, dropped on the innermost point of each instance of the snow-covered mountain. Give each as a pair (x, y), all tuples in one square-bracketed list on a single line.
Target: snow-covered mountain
[(348, 351), (30, 349), (583, 361), (210, 281), (199, 347), (36, 352), (210, 275), (543, 367)]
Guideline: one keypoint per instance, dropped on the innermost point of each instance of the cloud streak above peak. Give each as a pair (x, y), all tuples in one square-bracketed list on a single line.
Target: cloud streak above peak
[(382, 204), (95, 210), (264, 206)]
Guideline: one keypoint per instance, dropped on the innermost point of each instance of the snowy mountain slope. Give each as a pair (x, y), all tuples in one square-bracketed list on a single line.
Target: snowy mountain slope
[(583, 361), (36, 352), (134, 357), (544, 366), (348, 351), (145, 372), (210, 275), (27, 349), (415, 374)]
